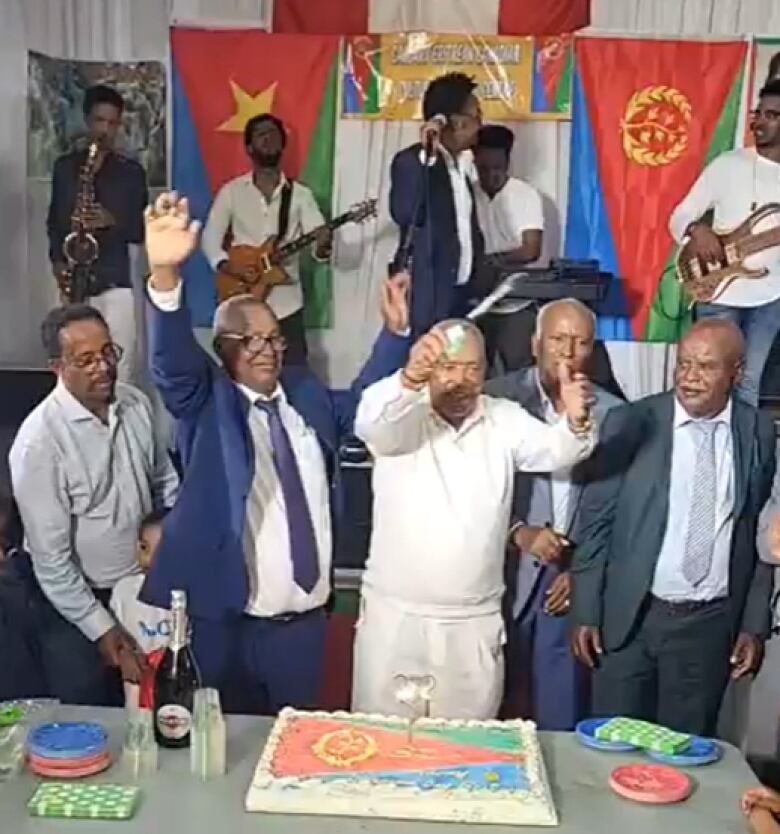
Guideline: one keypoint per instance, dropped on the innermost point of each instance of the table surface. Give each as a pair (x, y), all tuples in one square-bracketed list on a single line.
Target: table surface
[(174, 802)]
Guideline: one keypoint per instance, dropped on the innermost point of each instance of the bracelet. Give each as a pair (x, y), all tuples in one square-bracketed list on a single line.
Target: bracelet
[(410, 382)]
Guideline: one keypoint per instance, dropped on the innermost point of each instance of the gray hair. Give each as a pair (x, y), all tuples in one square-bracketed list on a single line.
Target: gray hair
[(229, 315), (572, 303)]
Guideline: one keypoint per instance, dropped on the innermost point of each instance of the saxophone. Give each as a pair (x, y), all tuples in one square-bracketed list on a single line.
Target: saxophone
[(80, 247)]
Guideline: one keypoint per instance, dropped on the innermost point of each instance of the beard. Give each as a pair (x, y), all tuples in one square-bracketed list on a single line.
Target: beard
[(266, 160)]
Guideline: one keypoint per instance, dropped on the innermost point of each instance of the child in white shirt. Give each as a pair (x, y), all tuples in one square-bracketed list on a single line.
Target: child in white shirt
[(149, 626)]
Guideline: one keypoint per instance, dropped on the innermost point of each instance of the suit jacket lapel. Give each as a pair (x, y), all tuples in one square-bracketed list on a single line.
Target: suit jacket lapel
[(743, 422)]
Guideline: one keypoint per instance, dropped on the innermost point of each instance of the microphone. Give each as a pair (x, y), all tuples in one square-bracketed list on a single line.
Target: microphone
[(501, 291), (430, 134)]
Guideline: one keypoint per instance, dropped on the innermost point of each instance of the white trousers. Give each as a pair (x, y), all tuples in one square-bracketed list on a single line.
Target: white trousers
[(465, 656), (118, 309)]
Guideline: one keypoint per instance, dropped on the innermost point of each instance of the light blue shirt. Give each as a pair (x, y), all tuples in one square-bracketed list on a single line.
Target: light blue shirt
[(83, 488), (669, 583)]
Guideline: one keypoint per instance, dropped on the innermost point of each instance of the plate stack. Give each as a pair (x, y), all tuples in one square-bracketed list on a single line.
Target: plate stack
[(68, 750)]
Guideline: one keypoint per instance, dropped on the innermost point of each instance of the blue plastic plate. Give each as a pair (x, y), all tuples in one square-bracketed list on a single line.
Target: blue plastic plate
[(69, 740), (586, 734), (701, 751)]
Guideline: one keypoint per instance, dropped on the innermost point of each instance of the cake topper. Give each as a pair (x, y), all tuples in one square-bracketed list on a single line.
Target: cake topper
[(415, 692)]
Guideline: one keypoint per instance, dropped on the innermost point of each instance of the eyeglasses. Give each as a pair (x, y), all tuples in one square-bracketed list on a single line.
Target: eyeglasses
[(110, 354), (254, 343)]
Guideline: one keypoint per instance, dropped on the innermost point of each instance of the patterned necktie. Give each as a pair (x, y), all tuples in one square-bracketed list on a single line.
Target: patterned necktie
[(303, 543), (700, 539)]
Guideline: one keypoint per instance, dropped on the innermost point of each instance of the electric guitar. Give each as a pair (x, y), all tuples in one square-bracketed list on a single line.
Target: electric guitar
[(746, 256), (258, 269)]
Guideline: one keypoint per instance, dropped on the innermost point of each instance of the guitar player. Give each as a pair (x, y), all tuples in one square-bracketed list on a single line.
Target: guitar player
[(732, 187), (261, 204)]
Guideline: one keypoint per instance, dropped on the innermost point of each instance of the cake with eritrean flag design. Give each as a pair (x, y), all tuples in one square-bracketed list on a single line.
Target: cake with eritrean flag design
[(368, 766)]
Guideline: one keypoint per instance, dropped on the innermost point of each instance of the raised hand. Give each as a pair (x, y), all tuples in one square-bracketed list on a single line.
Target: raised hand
[(171, 237), (395, 303), (576, 395), (423, 358)]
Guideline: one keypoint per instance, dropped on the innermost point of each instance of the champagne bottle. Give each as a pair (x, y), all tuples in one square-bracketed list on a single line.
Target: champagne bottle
[(175, 682)]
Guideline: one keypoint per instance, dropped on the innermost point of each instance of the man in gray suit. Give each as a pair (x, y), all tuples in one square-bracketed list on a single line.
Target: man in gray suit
[(669, 597), (541, 669)]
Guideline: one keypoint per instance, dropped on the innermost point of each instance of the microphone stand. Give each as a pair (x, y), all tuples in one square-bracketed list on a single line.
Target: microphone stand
[(404, 257)]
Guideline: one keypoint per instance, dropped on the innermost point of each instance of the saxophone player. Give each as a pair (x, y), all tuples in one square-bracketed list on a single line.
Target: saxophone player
[(103, 196)]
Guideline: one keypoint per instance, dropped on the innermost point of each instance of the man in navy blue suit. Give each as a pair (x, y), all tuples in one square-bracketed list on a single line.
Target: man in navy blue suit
[(250, 537), (431, 193)]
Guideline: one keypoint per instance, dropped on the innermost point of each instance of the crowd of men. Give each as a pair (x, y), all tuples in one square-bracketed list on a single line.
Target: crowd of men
[(539, 546)]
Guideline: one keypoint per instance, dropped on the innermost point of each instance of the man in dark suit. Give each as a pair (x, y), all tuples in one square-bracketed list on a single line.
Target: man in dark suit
[(432, 201), (250, 536), (669, 597), (542, 672)]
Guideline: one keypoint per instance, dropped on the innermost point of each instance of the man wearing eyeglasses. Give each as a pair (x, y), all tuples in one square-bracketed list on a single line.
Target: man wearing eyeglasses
[(732, 187), (250, 537), (86, 468)]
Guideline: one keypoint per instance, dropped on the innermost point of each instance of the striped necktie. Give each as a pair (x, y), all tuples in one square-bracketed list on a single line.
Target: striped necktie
[(700, 538)]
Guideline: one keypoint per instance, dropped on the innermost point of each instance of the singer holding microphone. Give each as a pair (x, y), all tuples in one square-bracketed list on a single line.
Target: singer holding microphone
[(432, 201), (445, 459)]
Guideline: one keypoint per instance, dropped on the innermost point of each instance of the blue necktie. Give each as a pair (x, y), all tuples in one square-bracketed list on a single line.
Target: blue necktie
[(303, 543)]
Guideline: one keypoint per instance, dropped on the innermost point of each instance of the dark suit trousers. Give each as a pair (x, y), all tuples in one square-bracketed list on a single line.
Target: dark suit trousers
[(673, 670)]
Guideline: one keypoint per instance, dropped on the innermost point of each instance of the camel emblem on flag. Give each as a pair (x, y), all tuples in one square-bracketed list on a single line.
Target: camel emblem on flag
[(654, 128)]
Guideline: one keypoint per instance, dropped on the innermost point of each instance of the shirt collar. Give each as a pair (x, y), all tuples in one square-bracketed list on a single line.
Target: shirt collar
[(248, 179), (74, 411), (682, 418), (548, 409), (255, 397)]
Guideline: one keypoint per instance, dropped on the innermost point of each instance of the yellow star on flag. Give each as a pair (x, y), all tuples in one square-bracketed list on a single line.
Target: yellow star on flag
[(247, 106)]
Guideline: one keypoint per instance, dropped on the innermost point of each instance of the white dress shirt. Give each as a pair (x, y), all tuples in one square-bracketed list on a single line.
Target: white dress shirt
[(669, 582), (560, 479), (241, 206), (517, 208), (461, 173), (273, 590), (442, 496), (734, 185)]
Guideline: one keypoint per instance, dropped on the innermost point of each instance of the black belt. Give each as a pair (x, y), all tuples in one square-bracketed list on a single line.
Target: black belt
[(684, 607)]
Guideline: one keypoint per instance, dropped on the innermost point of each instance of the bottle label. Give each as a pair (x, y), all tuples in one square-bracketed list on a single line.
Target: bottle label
[(174, 721)]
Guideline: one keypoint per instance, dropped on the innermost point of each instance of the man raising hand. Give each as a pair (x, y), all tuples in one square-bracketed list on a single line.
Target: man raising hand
[(445, 462)]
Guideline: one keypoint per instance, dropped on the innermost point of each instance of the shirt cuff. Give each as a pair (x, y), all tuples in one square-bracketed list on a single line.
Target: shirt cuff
[(96, 624), (167, 301), (401, 399), (431, 159)]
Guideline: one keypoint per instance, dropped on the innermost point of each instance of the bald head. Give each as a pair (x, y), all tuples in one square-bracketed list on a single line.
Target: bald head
[(724, 335), (565, 308), (710, 358), (465, 338)]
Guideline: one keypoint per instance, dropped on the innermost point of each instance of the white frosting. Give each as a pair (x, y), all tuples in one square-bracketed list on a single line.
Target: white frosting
[(310, 795)]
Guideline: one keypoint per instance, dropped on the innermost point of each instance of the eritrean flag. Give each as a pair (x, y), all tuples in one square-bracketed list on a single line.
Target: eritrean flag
[(553, 61), (220, 80), (647, 116)]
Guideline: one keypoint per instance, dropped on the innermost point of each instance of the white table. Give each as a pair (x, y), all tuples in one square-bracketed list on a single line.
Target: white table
[(174, 802)]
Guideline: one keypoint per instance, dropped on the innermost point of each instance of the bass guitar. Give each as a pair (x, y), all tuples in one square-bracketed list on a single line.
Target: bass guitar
[(746, 256), (258, 269)]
